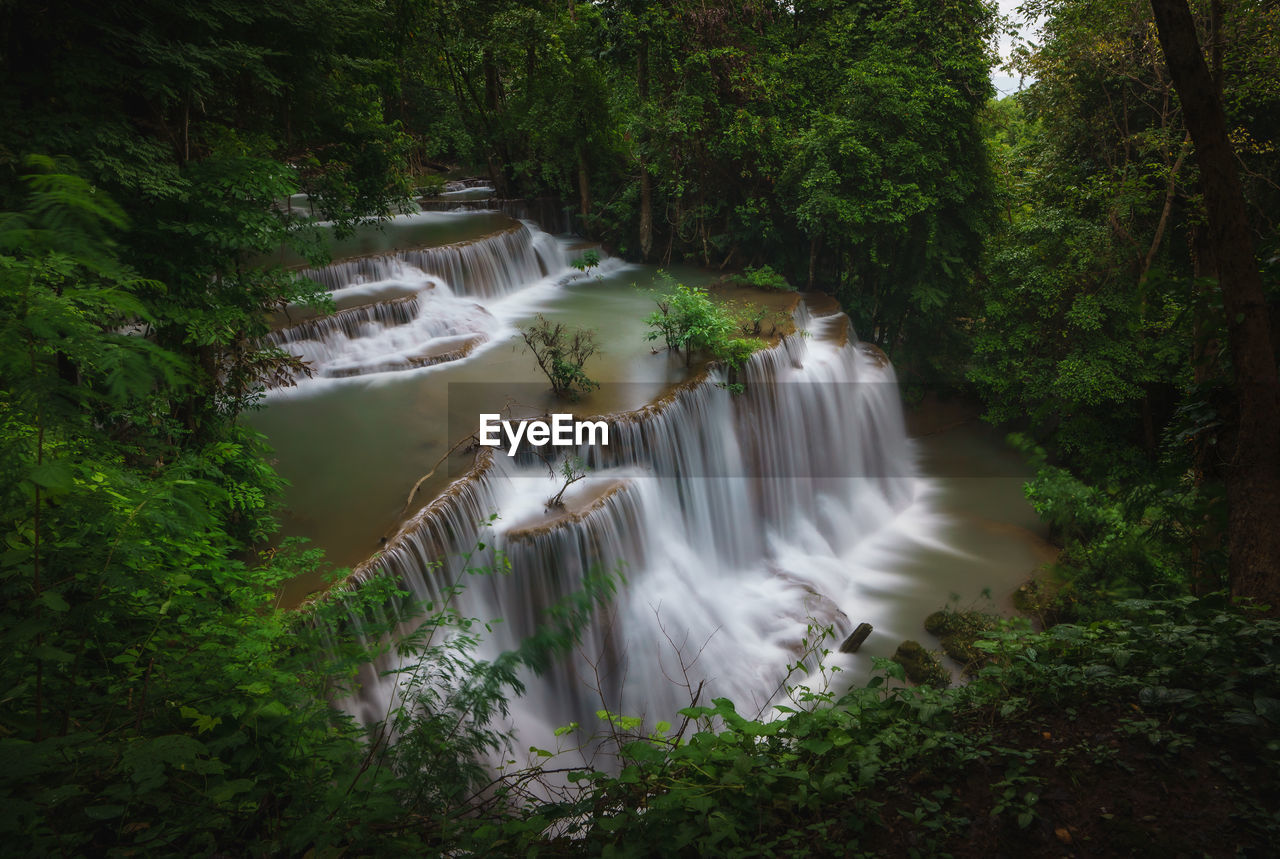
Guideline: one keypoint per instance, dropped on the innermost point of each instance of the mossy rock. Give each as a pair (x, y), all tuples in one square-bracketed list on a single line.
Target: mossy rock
[(957, 631), (920, 665), (962, 650), (966, 623), (1034, 597), (939, 623)]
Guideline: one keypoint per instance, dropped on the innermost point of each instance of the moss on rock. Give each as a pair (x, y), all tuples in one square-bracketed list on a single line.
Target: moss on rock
[(921, 666), (957, 631)]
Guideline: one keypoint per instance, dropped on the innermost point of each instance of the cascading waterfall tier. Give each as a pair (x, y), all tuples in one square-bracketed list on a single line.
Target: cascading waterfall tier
[(401, 334), (489, 267), (548, 213), (354, 322), (442, 322), (729, 516)]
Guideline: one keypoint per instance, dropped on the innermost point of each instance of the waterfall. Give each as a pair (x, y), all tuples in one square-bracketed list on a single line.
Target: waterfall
[(399, 334), (731, 518), (354, 322), (489, 267), (547, 212), (442, 322)]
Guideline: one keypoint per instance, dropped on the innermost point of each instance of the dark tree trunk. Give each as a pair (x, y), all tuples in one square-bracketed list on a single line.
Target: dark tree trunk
[(1253, 471), (492, 95), (646, 181), (646, 212), (815, 244), (1207, 543), (584, 183)]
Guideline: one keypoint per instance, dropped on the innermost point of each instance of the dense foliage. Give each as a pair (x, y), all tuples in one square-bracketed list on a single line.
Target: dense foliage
[(1053, 248), (837, 142), (1111, 736), (1103, 330)]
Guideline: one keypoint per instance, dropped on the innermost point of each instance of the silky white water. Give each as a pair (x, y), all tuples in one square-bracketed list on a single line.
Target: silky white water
[(743, 525)]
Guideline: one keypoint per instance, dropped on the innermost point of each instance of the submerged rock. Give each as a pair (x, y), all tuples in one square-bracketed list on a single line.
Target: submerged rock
[(957, 631), (922, 666)]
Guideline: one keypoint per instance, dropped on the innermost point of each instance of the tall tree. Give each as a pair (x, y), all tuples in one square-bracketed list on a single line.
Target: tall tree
[(1253, 472)]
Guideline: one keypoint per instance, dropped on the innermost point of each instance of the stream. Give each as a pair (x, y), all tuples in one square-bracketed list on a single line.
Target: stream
[(741, 524)]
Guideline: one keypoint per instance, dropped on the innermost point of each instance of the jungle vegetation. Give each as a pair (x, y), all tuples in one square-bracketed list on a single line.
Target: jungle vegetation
[(1094, 258)]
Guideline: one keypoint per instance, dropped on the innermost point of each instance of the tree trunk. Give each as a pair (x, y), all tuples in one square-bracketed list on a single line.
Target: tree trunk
[(646, 212), (584, 183), (491, 82), (1253, 470), (1207, 541), (646, 181), (814, 244)]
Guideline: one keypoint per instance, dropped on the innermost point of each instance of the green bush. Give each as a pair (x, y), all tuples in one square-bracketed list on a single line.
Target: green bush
[(766, 278), (689, 321), (561, 351), (589, 259)]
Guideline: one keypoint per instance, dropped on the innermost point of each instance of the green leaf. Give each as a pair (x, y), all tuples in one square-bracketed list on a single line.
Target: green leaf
[(54, 476), (817, 745), (566, 729), (53, 601)]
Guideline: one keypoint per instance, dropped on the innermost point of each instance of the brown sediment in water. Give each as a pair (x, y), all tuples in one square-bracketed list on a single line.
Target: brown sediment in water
[(443, 353), (731, 291), (820, 304), (936, 414), (841, 333), (1045, 552), (875, 353)]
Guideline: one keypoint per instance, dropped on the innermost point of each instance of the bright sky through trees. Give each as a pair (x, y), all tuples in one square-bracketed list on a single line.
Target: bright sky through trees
[(1004, 82)]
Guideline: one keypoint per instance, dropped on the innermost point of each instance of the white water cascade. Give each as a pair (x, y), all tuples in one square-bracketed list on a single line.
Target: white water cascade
[(488, 267), (423, 307), (714, 508), (735, 520)]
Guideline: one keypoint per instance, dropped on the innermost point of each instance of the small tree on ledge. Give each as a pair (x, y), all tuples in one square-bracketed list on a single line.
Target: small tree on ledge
[(561, 350), (688, 321), (572, 470)]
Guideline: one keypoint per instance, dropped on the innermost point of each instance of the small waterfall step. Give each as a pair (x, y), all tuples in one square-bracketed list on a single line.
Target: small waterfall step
[(442, 351), (490, 266), (577, 507), (453, 186), (360, 321), (399, 334), (548, 213)]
